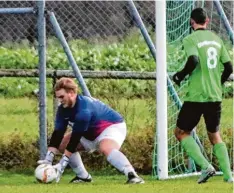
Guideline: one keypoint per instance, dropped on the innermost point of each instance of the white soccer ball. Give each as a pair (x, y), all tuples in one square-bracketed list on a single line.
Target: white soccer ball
[(45, 173)]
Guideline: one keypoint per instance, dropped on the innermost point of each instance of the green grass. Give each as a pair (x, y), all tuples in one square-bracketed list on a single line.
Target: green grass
[(21, 114), (227, 113), (25, 183)]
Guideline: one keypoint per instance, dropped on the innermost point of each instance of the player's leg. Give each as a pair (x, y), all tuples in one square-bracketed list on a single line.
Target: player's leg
[(212, 116), (110, 142), (75, 162), (77, 166), (188, 118)]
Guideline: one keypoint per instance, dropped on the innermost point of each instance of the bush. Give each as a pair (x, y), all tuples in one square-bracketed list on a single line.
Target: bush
[(132, 54), (19, 152)]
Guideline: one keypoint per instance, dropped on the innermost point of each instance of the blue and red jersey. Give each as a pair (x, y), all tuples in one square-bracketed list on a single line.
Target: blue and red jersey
[(89, 117)]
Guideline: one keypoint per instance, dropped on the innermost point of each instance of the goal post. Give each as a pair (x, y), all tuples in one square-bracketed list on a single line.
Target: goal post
[(172, 26), (161, 90)]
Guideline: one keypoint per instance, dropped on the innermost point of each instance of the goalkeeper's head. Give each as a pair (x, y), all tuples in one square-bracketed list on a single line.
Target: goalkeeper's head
[(66, 92), (199, 18)]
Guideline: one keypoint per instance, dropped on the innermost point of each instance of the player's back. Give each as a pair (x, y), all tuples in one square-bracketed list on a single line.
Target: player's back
[(100, 111), (205, 81), (102, 116), (209, 47)]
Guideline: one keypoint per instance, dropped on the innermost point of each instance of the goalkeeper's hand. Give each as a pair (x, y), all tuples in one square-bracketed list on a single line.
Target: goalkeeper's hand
[(59, 172), (44, 161), (60, 167), (48, 158)]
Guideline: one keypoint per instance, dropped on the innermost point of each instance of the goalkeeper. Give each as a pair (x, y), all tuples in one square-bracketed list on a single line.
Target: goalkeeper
[(206, 57), (95, 126)]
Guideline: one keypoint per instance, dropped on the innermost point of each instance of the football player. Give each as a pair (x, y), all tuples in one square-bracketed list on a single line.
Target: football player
[(95, 126), (206, 57)]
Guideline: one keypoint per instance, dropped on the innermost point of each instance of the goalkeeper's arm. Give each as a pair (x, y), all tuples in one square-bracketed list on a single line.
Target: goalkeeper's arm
[(55, 141), (80, 126), (70, 149)]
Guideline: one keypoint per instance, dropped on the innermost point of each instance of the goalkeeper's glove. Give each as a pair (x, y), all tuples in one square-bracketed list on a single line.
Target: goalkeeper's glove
[(60, 167), (48, 159)]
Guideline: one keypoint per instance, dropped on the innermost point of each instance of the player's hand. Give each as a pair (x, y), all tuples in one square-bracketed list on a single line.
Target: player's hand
[(176, 78), (44, 161), (60, 167), (48, 158)]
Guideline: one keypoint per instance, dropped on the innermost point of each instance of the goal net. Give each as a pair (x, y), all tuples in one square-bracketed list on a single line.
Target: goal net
[(178, 27)]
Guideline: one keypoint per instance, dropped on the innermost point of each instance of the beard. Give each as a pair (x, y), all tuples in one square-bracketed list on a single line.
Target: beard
[(69, 104)]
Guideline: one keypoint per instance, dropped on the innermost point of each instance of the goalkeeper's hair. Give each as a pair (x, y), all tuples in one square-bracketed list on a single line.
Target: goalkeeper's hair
[(199, 15), (67, 84)]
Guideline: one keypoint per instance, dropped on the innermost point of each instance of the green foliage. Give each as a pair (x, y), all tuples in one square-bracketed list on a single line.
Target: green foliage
[(18, 58), (129, 54), (21, 151), (139, 149), (127, 88), (228, 90), (15, 87), (18, 151), (108, 88)]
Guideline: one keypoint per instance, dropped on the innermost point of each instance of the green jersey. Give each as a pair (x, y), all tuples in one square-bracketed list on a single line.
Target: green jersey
[(205, 81)]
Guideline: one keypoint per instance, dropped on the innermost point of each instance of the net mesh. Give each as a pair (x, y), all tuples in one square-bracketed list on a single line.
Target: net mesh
[(177, 23), (102, 36)]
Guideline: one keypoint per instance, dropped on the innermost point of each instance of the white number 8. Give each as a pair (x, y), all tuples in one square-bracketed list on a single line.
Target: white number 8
[(212, 57)]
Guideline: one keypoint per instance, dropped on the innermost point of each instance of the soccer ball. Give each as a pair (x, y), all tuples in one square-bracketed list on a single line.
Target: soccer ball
[(45, 173)]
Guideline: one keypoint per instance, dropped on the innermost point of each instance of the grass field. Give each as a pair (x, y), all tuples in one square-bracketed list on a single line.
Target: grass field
[(21, 114), (11, 182)]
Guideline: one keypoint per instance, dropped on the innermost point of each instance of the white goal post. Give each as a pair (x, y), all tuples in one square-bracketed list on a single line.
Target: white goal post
[(161, 90)]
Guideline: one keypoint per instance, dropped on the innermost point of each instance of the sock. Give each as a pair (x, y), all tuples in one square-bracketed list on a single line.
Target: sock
[(193, 150), (220, 151), (77, 165), (120, 162)]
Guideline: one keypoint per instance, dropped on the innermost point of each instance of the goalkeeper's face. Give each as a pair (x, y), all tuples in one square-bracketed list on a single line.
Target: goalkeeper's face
[(66, 99)]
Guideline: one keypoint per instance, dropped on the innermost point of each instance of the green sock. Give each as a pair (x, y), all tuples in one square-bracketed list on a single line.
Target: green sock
[(220, 151), (193, 150)]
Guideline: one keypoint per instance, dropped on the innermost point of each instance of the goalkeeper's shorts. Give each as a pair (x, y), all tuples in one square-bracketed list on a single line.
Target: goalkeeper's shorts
[(116, 132)]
